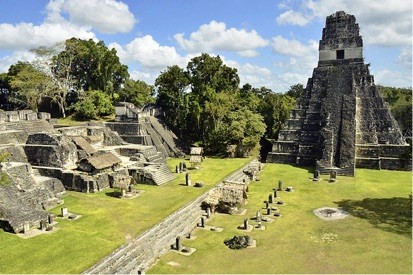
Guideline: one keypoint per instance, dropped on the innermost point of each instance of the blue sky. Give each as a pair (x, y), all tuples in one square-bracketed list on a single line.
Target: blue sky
[(271, 43)]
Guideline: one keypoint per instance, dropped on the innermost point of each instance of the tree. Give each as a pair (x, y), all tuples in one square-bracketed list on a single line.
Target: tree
[(295, 90), (137, 92), (96, 104), (245, 129), (207, 71), (28, 84), (93, 66), (275, 108), (171, 88), (59, 72), (208, 77), (400, 102)]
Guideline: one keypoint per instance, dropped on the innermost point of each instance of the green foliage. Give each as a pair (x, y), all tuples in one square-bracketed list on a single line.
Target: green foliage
[(275, 108), (295, 90), (92, 65), (4, 178), (4, 156), (96, 104), (201, 103), (400, 102), (171, 87), (28, 85), (137, 92)]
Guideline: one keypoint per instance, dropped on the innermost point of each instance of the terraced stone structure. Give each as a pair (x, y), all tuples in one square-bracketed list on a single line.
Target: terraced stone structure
[(340, 121), (43, 161), (143, 126)]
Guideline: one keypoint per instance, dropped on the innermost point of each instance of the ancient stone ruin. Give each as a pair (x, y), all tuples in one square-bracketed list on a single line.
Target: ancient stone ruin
[(44, 160), (230, 195), (143, 126), (239, 242), (195, 158), (25, 194), (340, 121)]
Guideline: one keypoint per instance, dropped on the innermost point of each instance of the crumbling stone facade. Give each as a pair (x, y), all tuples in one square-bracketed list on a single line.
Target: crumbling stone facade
[(25, 196), (340, 121), (143, 126)]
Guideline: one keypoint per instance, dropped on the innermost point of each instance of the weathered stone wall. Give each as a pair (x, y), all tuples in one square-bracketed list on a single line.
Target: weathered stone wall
[(148, 131), (13, 137), (16, 152), (137, 255), (141, 252), (24, 198)]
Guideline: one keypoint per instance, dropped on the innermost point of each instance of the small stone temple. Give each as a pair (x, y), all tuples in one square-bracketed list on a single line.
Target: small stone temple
[(341, 121)]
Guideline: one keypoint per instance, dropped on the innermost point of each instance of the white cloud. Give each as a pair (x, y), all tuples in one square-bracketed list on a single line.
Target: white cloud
[(405, 58), (385, 22), (106, 16), (248, 53), (215, 36), (7, 61), (294, 47), (293, 18), (149, 53), (255, 75), (27, 35), (147, 77), (392, 78)]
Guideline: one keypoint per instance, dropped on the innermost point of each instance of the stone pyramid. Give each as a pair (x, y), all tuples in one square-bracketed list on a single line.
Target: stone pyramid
[(341, 121)]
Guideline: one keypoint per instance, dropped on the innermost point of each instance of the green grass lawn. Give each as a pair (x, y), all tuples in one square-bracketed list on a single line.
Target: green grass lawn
[(106, 222), (375, 238)]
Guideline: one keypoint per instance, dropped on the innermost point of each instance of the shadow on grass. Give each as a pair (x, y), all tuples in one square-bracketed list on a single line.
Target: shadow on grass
[(114, 194), (389, 214)]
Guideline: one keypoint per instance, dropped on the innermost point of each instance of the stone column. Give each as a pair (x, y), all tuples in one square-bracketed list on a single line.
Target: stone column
[(50, 218), (268, 211), (43, 225), (187, 179), (208, 212), (267, 204), (63, 211), (258, 216), (271, 198), (333, 175), (177, 169), (275, 192), (26, 228), (246, 223), (181, 166), (280, 186), (316, 176), (178, 243), (202, 222)]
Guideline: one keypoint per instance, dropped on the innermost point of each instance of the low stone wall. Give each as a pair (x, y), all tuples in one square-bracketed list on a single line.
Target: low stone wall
[(139, 254)]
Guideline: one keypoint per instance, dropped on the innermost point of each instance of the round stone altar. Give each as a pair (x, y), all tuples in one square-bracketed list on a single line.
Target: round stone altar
[(330, 213)]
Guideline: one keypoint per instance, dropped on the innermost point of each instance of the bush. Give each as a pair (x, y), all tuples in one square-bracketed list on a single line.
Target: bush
[(96, 104)]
